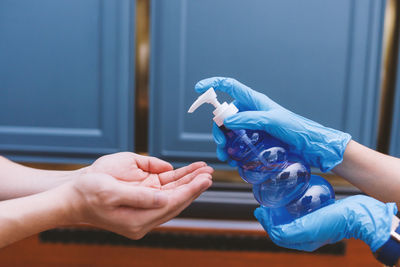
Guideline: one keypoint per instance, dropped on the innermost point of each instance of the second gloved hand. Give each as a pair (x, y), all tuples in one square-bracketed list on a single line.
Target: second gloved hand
[(320, 146), (360, 217)]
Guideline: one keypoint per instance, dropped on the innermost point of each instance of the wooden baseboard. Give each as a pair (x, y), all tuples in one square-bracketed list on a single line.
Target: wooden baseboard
[(32, 252)]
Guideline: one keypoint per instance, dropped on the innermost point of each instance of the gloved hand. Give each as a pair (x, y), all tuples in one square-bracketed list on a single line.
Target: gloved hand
[(320, 146), (358, 216)]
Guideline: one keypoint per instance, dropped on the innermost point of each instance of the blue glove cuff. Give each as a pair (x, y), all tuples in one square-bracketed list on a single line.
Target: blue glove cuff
[(377, 233), (335, 157)]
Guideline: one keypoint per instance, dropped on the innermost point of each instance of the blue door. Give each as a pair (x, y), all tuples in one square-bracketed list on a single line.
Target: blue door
[(318, 58), (66, 79)]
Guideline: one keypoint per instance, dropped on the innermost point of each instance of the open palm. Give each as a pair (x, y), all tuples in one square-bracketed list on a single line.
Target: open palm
[(147, 171)]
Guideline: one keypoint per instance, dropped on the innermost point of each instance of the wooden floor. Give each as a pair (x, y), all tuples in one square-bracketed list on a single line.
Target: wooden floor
[(31, 252)]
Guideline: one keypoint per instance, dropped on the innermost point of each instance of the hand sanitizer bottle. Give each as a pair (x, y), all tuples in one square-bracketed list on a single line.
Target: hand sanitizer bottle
[(281, 180)]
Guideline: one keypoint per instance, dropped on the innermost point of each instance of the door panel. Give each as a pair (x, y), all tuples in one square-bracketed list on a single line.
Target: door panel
[(320, 59), (66, 79)]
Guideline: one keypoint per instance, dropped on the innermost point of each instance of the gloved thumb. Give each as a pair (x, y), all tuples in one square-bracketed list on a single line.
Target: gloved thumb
[(262, 214), (252, 120), (218, 135)]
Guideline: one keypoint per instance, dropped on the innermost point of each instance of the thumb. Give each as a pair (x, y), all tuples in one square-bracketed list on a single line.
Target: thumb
[(152, 164), (252, 120), (219, 137), (139, 196), (263, 216)]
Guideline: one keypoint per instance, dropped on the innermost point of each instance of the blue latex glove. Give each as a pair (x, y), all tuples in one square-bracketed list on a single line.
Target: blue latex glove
[(320, 146), (359, 216)]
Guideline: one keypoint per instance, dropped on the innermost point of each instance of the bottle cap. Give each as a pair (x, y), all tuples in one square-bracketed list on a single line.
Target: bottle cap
[(221, 111)]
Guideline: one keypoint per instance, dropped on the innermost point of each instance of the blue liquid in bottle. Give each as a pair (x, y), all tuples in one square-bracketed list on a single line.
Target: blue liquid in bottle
[(281, 180)]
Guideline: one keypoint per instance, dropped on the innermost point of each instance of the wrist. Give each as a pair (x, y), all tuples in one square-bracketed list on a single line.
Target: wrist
[(336, 144), (54, 205), (67, 208), (72, 208), (25, 216)]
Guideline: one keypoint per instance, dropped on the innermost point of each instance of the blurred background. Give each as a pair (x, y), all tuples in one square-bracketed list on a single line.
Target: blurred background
[(80, 79)]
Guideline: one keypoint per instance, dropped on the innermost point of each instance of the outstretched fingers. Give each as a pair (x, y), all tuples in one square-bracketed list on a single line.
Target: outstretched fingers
[(178, 199), (173, 175), (181, 197), (188, 178), (184, 195)]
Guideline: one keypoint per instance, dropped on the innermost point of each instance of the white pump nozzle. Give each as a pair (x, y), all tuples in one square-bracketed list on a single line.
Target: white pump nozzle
[(209, 97), (221, 111)]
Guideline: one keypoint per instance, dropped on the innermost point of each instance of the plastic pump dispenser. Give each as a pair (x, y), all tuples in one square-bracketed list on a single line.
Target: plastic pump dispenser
[(281, 180), (221, 111)]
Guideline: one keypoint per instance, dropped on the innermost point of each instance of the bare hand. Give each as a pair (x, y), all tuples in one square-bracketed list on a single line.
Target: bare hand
[(133, 205), (144, 170)]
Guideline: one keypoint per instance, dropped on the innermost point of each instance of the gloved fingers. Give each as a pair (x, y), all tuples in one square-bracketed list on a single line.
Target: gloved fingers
[(219, 136), (327, 224), (248, 98), (321, 226), (231, 86), (275, 122), (241, 107), (252, 120), (220, 140), (263, 215), (221, 154), (280, 234), (303, 246), (359, 216)]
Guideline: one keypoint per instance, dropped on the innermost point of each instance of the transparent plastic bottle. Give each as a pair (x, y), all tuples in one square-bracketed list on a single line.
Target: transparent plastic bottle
[(281, 180)]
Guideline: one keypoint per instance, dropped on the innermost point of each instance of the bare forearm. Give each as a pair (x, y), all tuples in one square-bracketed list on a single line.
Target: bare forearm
[(23, 217), (17, 180), (374, 173)]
